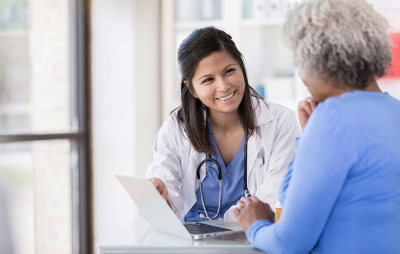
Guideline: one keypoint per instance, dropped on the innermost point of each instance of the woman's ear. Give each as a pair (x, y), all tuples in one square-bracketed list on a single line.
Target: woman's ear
[(192, 93)]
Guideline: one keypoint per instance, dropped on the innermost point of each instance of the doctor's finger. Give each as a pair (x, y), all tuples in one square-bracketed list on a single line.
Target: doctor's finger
[(164, 192), (158, 183), (160, 186)]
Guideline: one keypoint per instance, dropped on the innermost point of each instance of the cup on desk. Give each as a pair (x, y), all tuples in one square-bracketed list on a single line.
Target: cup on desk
[(278, 210)]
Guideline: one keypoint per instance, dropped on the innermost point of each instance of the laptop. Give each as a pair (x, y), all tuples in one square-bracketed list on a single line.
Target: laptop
[(153, 208)]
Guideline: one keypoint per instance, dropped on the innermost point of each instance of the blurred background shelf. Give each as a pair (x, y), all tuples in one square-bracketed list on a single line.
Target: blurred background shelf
[(262, 22), (256, 28), (191, 25)]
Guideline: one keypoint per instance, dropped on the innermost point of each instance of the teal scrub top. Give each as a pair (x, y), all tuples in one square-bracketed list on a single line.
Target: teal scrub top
[(232, 184)]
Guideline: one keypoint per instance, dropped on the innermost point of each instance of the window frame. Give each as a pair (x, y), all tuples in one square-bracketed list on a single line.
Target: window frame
[(80, 123)]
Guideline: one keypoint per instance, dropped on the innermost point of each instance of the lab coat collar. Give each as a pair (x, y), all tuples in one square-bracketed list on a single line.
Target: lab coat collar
[(262, 111)]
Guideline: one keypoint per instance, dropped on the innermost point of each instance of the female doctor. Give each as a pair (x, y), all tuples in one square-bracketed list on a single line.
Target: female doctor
[(224, 141)]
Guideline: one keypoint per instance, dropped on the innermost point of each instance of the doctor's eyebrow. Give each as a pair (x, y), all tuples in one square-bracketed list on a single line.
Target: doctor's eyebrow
[(204, 76), (230, 65)]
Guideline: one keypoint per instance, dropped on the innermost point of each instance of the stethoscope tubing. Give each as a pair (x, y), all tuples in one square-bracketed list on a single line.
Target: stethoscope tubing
[(219, 200), (209, 159)]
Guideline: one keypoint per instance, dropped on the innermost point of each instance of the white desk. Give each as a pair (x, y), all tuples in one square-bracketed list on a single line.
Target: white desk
[(140, 237)]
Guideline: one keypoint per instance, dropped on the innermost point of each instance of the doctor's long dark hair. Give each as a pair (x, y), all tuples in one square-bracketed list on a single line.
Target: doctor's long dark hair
[(198, 45)]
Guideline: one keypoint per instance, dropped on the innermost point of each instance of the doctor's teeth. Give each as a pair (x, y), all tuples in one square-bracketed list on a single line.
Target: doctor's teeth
[(226, 97)]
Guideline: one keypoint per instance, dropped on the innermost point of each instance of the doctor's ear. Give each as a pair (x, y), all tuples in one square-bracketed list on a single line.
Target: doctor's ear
[(187, 87)]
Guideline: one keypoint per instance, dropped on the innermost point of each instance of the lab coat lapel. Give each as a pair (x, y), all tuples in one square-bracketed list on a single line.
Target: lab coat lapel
[(255, 143), (254, 147)]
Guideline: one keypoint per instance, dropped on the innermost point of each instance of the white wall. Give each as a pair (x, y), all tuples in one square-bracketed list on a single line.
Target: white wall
[(125, 103), (147, 81)]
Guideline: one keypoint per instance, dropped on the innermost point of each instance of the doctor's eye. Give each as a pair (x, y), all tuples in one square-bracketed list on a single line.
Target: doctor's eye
[(207, 80), (229, 71)]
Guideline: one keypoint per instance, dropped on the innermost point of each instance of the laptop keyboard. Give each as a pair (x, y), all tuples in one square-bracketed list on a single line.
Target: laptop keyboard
[(200, 228)]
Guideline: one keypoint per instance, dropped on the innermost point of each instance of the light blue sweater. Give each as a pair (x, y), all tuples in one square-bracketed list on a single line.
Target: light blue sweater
[(342, 190)]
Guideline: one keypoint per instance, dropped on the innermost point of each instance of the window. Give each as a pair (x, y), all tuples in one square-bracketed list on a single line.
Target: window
[(43, 128)]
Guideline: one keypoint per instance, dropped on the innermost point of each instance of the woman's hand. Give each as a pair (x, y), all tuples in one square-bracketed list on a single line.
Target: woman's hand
[(252, 209), (161, 187), (304, 109)]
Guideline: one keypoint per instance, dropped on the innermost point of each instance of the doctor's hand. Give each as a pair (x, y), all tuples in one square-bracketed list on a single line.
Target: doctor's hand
[(304, 109), (161, 187), (252, 209)]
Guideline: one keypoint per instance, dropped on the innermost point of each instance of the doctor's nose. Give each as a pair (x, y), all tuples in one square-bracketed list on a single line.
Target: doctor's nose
[(223, 85)]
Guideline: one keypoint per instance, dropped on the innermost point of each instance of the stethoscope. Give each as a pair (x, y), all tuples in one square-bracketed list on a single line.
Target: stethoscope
[(209, 159)]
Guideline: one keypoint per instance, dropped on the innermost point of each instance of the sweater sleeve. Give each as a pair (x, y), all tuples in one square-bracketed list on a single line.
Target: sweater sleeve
[(326, 152)]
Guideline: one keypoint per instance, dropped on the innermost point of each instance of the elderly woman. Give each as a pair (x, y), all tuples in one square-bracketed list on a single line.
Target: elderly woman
[(342, 190)]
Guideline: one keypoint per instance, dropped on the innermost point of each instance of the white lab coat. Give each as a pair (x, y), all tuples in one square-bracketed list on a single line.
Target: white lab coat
[(269, 152)]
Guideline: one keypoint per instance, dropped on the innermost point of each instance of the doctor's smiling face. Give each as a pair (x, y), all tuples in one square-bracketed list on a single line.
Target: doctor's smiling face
[(218, 82), (213, 81)]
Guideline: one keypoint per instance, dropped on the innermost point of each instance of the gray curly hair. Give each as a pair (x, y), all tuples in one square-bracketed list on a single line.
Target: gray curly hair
[(345, 41)]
